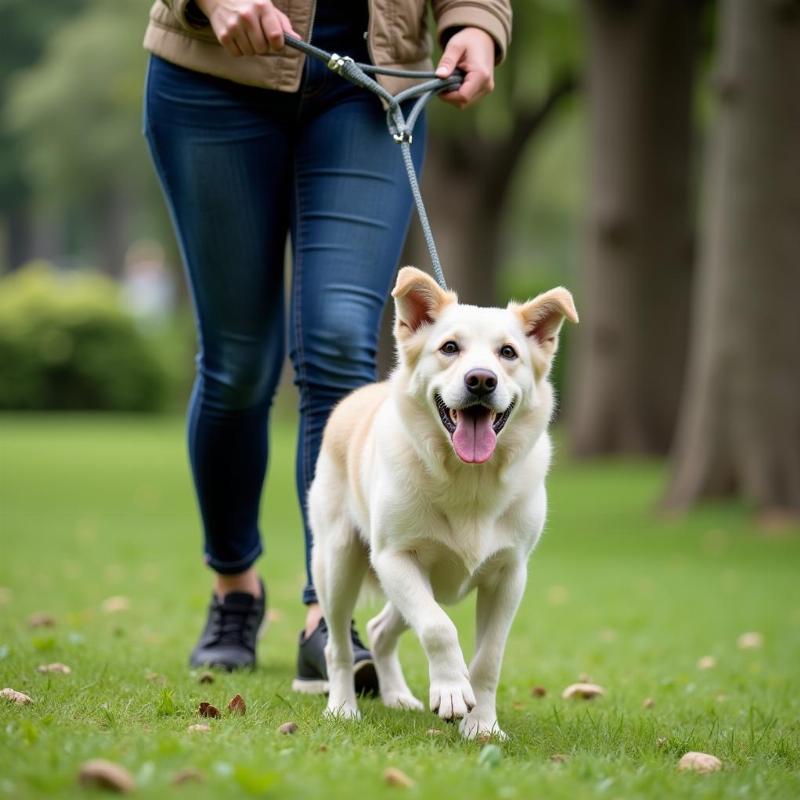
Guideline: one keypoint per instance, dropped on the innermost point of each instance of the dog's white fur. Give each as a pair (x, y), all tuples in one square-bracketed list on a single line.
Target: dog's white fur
[(391, 497)]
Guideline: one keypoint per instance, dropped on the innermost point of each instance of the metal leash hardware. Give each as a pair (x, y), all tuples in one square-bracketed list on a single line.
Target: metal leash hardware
[(400, 128)]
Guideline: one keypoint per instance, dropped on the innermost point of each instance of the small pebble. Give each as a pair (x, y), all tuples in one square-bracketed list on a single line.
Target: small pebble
[(699, 762), (199, 727), (288, 728), (648, 702), (13, 696), (584, 691), (57, 667)]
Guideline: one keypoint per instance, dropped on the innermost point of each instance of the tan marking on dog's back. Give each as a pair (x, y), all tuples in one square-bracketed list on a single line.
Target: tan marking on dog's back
[(349, 425)]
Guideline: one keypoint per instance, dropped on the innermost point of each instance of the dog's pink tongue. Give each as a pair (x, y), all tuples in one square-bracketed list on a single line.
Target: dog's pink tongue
[(474, 438)]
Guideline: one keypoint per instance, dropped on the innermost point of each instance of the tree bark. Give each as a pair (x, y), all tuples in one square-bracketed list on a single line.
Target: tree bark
[(739, 431), (631, 344)]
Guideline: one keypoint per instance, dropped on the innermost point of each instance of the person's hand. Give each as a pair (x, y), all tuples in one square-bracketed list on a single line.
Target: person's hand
[(247, 27), (471, 50)]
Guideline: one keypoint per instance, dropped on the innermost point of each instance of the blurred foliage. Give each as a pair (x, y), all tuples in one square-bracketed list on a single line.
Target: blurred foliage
[(27, 29), (67, 343), (78, 110)]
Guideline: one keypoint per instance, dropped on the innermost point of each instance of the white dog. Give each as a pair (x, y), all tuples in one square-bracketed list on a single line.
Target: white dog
[(433, 481)]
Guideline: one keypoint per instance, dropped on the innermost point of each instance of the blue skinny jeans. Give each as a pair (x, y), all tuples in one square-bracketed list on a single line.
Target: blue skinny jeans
[(241, 168)]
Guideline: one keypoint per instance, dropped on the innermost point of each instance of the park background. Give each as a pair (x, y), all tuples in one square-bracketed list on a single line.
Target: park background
[(642, 153)]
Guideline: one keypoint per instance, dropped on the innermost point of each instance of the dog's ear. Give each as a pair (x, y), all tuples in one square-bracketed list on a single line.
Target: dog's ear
[(418, 301), (543, 317)]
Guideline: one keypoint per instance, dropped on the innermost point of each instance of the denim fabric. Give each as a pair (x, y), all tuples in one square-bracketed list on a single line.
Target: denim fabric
[(242, 168)]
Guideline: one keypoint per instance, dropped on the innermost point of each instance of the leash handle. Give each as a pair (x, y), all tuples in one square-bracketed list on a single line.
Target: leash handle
[(400, 127)]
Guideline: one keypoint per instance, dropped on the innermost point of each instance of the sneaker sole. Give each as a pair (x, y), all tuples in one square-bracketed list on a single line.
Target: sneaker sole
[(364, 675)]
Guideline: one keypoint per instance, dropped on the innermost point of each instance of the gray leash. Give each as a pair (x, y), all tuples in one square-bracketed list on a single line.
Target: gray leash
[(400, 127)]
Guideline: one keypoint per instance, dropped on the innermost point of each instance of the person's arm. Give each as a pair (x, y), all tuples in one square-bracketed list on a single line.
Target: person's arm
[(475, 36), (243, 27)]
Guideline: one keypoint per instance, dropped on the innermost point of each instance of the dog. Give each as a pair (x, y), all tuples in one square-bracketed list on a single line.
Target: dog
[(433, 484)]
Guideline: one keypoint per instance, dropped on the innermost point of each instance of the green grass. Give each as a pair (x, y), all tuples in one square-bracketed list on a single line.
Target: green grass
[(92, 507)]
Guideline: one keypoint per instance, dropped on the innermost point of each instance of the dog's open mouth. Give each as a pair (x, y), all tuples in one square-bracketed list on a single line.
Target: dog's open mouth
[(473, 430)]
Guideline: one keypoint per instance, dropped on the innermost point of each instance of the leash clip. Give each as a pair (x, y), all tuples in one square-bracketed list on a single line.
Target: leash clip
[(337, 62)]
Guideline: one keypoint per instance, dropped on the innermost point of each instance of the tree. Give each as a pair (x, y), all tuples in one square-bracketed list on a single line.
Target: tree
[(472, 158), (739, 430), (77, 114), (631, 344)]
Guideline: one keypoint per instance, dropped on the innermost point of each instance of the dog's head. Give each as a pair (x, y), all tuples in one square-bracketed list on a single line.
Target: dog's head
[(474, 369)]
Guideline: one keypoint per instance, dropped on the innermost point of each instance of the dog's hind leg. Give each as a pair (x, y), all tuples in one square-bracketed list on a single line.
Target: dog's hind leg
[(497, 604), (339, 564), (384, 631)]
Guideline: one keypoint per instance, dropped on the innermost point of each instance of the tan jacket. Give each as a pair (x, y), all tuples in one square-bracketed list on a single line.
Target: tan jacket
[(397, 37)]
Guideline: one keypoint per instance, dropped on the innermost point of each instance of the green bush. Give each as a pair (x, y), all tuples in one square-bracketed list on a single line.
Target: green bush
[(67, 343)]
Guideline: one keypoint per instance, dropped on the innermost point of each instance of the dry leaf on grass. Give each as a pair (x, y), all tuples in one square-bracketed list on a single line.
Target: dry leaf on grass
[(107, 775), (288, 728), (187, 775), (41, 619), (13, 696), (205, 677), (237, 705), (583, 691), (648, 702), (57, 667), (559, 758), (115, 604), (207, 710), (199, 727), (538, 691), (699, 762), (706, 662), (434, 732), (396, 777), (751, 640)]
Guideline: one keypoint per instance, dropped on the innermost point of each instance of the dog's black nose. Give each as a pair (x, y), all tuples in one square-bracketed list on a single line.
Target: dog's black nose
[(481, 381)]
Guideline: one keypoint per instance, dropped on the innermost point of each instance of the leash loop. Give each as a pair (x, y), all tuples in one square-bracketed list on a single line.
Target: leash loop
[(401, 128)]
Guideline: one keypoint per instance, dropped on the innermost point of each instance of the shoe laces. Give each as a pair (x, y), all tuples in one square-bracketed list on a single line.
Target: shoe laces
[(229, 624)]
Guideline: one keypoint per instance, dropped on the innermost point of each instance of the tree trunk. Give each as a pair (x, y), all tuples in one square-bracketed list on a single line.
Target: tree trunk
[(739, 431), (631, 344)]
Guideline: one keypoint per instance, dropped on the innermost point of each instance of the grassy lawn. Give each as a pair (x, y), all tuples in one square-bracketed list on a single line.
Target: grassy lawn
[(95, 507)]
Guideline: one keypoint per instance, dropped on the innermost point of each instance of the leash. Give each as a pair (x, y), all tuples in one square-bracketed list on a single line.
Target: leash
[(400, 127)]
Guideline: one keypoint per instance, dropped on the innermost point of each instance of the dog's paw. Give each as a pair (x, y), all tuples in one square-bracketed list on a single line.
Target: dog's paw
[(342, 711), (452, 700), (404, 700), (475, 726)]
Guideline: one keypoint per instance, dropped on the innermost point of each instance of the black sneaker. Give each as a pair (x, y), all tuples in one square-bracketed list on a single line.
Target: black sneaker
[(229, 638), (312, 672)]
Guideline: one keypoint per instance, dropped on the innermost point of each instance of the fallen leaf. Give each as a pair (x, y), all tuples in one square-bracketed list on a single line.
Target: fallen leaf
[(434, 732), (396, 777), (699, 762), (207, 710), (57, 667), (751, 640), (187, 775), (206, 677), (323, 748), (107, 775), (584, 691), (648, 702), (707, 662), (41, 619), (288, 728), (199, 727), (237, 705), (13, 696), (559, 758), (538, 691), (115, 604)]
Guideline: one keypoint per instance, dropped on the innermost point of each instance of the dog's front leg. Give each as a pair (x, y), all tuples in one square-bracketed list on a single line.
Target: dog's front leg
[(498, 600), (409, 589)]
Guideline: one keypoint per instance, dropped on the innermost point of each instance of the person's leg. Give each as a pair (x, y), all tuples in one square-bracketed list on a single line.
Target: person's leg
[(352, 206), (222, 153)]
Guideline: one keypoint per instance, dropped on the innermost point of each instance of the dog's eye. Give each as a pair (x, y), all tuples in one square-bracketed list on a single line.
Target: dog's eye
[(507, 351), (449, 348)]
